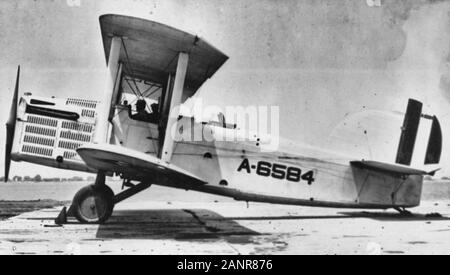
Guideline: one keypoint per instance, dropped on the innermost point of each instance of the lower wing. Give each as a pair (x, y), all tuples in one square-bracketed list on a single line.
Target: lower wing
[(133, 164)]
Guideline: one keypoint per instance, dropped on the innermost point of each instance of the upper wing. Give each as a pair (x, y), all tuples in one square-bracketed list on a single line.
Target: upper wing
[(151, 49), (389, 168), (133, 164)]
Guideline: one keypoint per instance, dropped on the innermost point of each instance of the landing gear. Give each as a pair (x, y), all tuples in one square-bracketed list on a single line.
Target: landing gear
[(93, 204)]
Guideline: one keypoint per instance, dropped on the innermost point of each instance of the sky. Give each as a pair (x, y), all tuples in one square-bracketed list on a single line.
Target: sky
[(336, 69)]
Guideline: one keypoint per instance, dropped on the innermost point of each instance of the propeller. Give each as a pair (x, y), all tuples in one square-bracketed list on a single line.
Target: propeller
[(11, 126)]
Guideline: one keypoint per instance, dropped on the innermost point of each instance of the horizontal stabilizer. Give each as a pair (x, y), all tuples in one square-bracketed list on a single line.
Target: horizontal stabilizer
[(133, 164), (395, 169)]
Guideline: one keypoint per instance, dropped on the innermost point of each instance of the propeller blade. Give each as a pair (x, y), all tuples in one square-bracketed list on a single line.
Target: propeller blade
[(10, 127)]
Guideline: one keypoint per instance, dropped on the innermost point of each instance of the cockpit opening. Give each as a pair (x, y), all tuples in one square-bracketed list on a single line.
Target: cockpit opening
[(142, 114), (142, 99)]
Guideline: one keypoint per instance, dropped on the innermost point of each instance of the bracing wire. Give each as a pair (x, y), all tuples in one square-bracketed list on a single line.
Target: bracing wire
[(137, 92)]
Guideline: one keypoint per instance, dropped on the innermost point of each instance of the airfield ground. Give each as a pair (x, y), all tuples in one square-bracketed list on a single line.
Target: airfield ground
[(10, 209), (175, 223)]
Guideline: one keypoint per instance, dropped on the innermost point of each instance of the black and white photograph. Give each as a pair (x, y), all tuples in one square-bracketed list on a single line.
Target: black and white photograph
[(222, 128)]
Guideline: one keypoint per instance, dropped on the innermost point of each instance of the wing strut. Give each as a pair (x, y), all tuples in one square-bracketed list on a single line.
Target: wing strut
[(175, 101), (101, 131)]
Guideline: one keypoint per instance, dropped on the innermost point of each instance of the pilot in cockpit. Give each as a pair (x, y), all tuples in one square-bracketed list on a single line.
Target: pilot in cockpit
[(142, 114)]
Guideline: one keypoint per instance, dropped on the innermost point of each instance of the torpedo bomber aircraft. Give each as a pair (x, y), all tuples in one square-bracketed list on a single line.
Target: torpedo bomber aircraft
[(156, 68)]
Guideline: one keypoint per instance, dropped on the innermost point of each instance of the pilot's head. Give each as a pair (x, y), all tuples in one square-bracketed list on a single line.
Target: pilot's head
[(154, 107), (140, 105)]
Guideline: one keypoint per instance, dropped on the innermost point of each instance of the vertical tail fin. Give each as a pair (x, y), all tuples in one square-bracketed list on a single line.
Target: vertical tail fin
[(434, 149), (409, 132)]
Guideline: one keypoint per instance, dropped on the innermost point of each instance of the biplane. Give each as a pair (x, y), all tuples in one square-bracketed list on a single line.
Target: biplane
[(156, 68)]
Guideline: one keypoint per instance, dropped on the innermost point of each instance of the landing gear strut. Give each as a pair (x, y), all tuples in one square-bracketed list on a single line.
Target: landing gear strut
[(94, 203)]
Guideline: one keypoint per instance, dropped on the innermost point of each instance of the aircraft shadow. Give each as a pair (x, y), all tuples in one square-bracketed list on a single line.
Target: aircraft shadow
[(177, 224), (384, 216), (205, 225), (394, 216)]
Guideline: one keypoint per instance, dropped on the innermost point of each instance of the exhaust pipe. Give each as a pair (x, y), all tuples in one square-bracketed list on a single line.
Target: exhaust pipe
[(11, 126)]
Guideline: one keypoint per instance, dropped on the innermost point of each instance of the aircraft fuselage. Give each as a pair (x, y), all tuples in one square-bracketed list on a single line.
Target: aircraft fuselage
[(239, 169)]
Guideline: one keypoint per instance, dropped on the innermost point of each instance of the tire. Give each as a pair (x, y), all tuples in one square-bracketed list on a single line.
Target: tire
[(93, 204)]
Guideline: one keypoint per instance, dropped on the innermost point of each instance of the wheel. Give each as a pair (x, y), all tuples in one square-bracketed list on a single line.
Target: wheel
[(93, 204)]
